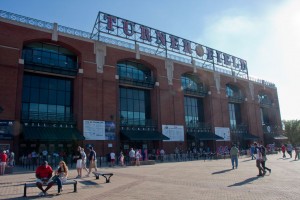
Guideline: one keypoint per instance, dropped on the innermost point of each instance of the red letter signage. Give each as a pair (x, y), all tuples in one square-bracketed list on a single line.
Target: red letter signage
[(126, 29), (110, 20)]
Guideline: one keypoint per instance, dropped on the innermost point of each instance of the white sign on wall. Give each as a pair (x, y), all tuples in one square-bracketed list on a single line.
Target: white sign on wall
[(223, 132), (94, 130), (174, 132)]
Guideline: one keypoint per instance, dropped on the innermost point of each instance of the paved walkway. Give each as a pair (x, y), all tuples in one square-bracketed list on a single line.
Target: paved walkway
[(211, 179)]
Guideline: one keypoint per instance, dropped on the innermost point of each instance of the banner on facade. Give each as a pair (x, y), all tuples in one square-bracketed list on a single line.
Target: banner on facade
[(223, 132), (6, 129), (99, 130), (174, 132)]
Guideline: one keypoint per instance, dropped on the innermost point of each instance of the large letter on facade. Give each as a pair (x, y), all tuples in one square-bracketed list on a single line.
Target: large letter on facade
[(209, 53), (187, 46), (160, 38), (174, 42), (126, 28), (145, 33), (110, 21)]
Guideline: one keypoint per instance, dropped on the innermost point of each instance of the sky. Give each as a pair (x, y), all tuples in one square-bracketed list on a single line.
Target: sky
[(264, 33)]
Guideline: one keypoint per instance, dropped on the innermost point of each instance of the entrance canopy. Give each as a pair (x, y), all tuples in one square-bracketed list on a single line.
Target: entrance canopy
[(143, 135), (51, 134), (248, 136), (205, 136)]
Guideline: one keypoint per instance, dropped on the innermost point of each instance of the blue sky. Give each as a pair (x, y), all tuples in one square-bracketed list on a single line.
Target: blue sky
[(265, 33)]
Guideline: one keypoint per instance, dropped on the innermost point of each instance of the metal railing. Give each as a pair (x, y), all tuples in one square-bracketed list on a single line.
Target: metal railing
[(236, 98), (143, 123), (201, 91), (147, 82), (272, 129), (47, 117)]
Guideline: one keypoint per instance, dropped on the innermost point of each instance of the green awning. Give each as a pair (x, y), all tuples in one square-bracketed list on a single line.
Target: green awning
[(248, 136), (51, 134), (143, 135), (205, 136)]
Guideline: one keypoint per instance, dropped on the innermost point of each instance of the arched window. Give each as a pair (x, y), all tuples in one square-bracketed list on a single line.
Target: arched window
[(136, 74), (52, 58), (135, 102), (193, 101)]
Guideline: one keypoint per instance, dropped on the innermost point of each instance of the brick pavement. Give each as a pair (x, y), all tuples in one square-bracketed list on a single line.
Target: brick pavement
[(212, 179)]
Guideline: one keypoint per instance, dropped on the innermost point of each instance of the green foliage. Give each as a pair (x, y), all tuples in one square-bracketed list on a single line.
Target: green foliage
[(292, 131)]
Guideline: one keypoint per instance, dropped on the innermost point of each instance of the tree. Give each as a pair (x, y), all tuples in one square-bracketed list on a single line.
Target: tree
[(292, 131)]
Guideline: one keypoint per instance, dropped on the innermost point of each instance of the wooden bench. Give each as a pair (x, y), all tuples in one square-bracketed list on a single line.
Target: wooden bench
[(105, 175), (68, 182)]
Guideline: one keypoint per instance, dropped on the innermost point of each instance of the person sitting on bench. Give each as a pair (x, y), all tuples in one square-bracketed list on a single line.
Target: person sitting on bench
[(43, 174), (61, 175)]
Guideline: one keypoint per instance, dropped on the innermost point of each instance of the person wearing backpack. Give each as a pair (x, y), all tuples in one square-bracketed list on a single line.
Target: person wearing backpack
[(264, 159)]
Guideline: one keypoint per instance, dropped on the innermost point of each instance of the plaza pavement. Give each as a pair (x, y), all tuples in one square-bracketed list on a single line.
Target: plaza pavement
[(210, 179)]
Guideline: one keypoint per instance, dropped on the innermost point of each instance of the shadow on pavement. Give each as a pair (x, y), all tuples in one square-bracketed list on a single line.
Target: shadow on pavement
[(221, 172), (249, 180), (247, 160)]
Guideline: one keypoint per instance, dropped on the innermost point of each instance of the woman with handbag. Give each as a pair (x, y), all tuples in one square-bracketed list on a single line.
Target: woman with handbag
[(61, 175)]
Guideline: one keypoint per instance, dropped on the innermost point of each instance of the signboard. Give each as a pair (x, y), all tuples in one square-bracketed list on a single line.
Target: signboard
[(163, 42), (6, 129), (4, 147), (99, 130), (94, 130), (174, 132), (223, 132)]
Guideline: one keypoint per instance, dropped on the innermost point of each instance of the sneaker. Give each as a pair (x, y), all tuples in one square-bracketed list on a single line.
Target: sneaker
[(87, 175), (41, 194), (78, 176)]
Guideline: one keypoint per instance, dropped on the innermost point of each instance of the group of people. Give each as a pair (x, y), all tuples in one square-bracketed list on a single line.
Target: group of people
[(258, 152), (81, 160), (44, 173), (44, 177), (7, 158), (135, 157)]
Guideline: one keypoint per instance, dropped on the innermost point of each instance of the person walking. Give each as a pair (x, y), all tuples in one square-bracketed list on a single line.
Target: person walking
[(112, 158), (84, 158), (261, 171), (61, 175), (78, 159), (234, 152), (283, 148), (3, 161), (252, 151), (92, 160), (121, 158), (289, 150), (264, 159), (132, 156), (137, 157)]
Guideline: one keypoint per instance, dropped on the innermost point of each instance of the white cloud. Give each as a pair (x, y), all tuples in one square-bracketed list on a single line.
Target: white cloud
[(270, 43)]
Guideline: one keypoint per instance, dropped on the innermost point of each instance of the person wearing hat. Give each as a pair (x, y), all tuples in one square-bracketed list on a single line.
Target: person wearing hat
[(43, 174), (3, 160)]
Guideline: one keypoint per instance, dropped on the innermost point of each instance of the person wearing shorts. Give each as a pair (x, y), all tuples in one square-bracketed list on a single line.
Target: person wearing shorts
[(43, 174), (78, 163), (93, 161), (3, 160)]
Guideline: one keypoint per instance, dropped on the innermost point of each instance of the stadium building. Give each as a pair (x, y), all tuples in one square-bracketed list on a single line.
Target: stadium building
[(125, 85)]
